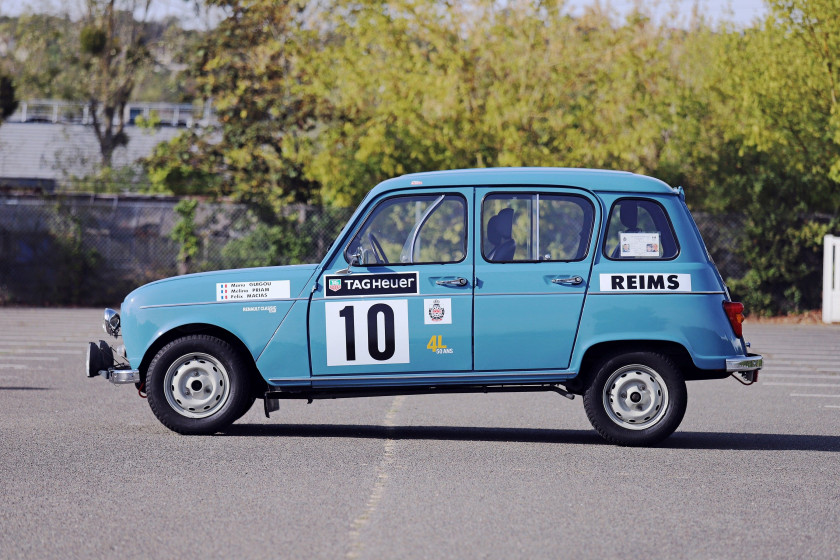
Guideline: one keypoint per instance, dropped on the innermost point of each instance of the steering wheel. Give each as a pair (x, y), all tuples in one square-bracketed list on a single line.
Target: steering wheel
[(378, 252)]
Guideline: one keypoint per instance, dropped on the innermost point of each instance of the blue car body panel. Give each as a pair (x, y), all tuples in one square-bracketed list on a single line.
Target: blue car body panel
[(509, 322), (155, 309)]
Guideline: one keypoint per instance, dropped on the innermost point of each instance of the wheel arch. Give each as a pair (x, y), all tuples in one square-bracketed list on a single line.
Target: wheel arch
[(601, 351), (211, 330)]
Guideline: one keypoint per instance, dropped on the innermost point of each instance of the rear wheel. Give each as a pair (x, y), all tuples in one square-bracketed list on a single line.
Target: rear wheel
[(198, 384), (636, 399)]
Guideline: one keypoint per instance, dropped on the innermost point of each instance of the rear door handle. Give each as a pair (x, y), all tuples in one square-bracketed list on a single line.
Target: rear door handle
[(458, 282), (572, 281)]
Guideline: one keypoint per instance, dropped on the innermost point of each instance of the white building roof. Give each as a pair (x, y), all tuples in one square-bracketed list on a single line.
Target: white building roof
[(57, 151)]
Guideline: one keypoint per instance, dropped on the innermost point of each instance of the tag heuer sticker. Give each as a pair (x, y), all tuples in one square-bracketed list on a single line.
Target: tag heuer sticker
[(385, 284), (438, 311)]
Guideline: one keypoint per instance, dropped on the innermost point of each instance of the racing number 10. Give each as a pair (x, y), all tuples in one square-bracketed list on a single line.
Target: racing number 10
[(372, 332), (367, 332)]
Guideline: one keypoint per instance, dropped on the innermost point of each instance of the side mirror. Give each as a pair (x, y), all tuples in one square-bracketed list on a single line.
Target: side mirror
[(355, 259)]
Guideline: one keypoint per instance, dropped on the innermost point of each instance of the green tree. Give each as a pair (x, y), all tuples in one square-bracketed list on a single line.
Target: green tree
[(249, 65), (765, 103), (323, 103), (46, 60), (186, 165), (110, 56), (805, 88), (184, 233), (114, 50), (8, 101), (42, 48), (418, 85), (320, 102)]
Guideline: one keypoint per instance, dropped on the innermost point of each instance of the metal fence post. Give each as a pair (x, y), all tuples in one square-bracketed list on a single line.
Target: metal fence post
[(831, 279)]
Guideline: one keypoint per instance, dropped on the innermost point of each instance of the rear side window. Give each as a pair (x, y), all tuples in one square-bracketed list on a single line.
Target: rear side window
[(535, 227), (639, 229)]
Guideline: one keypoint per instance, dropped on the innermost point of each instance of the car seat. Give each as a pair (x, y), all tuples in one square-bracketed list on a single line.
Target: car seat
[(628, 214), (500, 235)]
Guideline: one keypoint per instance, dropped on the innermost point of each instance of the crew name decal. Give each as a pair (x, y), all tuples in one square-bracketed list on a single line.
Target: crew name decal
[(272, 289)]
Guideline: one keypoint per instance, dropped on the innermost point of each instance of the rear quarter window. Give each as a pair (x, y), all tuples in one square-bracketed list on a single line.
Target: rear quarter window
[(639, 229)]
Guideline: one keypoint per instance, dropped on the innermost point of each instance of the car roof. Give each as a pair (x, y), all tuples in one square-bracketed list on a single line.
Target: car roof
[(600, 180)]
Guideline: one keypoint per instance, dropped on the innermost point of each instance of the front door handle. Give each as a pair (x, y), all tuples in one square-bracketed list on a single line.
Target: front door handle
[(572, 281), (452, 282)]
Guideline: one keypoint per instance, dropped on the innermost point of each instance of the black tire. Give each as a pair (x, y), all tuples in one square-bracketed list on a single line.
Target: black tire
[(198, 384), (636, 399), (251, 400)]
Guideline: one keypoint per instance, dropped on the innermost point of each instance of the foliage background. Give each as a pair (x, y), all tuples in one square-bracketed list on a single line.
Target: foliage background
[(318, 101)]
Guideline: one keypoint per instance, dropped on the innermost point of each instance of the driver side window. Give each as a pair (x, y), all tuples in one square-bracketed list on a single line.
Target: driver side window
[(412, 230)]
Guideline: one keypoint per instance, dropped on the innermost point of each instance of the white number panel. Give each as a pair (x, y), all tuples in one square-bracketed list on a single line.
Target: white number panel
[(367, 332)]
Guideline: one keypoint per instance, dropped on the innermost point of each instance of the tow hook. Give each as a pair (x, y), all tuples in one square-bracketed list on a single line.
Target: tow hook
[(745, 377)]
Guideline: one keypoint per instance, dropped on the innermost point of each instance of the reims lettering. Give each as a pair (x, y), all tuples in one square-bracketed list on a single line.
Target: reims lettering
[(644, 282)]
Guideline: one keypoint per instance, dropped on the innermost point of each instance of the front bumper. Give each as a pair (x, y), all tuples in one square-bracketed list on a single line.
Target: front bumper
[(121, 376), (100, 361)]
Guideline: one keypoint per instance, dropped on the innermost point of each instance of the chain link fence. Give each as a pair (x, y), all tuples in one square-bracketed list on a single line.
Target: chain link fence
[(93, 250), (723, 234), (83, 250)]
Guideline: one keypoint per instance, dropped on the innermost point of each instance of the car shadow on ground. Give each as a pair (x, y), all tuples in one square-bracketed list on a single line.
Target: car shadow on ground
[(25, 389), (454, 433), (752, 441), (679, 440)]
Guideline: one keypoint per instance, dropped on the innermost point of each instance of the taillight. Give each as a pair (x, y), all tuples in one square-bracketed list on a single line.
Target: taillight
[(735, 313)]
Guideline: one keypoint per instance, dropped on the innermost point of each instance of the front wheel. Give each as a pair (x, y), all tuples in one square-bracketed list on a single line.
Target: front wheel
[(636, 399), (198, 384)]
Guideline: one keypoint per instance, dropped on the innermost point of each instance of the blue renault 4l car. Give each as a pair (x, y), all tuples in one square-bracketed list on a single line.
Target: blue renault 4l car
[(581, 282)]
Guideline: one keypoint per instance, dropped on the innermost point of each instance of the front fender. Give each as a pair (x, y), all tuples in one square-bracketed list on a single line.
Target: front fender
[(223, 299), (150, 325)]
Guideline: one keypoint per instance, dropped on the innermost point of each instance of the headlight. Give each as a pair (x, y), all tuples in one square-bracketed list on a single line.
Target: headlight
[(112, 323)]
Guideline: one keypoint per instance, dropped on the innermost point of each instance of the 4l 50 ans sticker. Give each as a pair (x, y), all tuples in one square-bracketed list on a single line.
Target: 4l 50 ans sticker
[(646, 282)]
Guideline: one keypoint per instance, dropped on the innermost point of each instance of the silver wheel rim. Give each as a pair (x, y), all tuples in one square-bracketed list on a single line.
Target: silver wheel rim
[(196, 385), (635, 397)]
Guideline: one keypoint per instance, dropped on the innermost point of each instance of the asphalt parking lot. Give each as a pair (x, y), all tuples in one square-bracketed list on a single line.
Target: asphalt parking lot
[(86, 471)]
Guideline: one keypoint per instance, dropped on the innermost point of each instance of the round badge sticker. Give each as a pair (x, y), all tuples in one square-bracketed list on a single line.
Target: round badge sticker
[(436, 312)]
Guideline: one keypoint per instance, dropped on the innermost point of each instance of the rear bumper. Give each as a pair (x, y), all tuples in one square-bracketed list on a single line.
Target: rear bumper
[(750, 362), (745, 366)]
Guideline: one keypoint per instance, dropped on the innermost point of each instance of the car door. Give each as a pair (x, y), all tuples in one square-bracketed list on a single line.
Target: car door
[(404, 306), (533, 263)]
